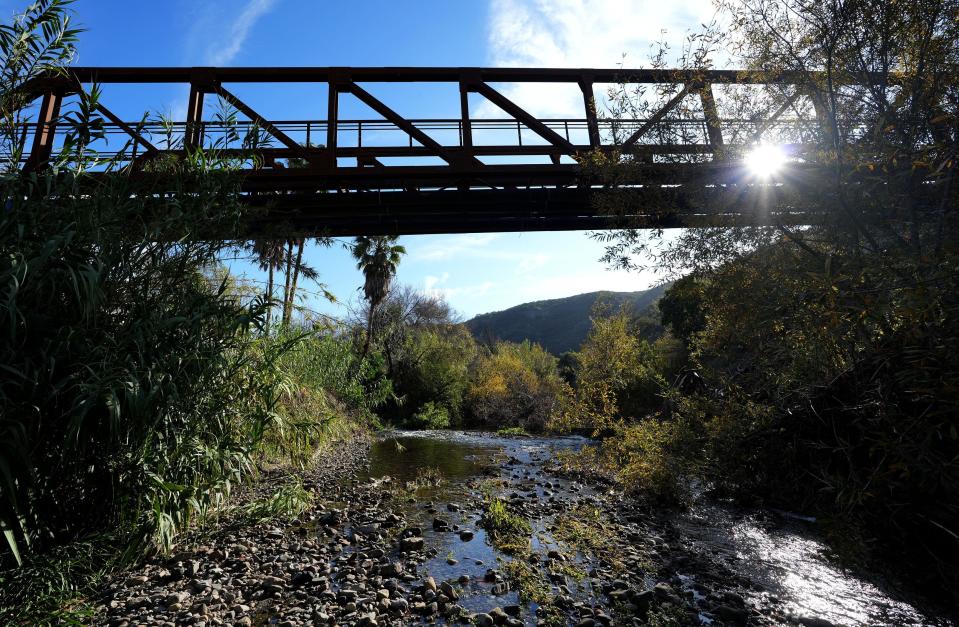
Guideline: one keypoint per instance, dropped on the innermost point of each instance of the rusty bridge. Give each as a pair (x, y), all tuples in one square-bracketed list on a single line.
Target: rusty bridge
[(472, 172)]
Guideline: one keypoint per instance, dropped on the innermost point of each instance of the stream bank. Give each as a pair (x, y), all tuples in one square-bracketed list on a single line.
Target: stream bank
[(397, 536)]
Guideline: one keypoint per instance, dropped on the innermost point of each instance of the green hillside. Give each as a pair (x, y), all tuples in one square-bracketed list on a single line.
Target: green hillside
[(560, 324)]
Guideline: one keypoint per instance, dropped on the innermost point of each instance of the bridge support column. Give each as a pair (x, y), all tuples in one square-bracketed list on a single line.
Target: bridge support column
[(714, 127), (332, 115), (466, 128)]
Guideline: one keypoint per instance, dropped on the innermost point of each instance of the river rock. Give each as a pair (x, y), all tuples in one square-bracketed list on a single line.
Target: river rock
[(449, 591), (732, 615), (411, 544), (482, 620)]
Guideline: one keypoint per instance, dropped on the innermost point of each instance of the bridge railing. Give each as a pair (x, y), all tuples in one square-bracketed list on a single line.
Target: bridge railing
[(467, 144), (505, 135)]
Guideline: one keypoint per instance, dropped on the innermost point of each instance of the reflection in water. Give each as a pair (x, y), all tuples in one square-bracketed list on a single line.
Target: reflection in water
[(462, 459)]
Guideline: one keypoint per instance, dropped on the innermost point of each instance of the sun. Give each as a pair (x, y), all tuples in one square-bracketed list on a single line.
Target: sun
[(765, 160)]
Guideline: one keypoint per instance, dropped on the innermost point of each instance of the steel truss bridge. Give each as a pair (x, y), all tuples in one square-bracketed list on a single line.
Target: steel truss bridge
[(516, 172)]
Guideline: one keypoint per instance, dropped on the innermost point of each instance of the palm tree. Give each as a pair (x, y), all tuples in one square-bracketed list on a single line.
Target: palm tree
[(377, 257), (295, 265)]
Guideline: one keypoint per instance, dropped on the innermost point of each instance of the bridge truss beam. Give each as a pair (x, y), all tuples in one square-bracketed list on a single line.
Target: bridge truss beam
[(532, 176)]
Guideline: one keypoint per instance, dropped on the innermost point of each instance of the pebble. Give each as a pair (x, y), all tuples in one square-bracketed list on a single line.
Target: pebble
[(357, 565)]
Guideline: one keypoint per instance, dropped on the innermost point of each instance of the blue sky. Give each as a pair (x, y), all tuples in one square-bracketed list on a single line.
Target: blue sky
[(476, 272)]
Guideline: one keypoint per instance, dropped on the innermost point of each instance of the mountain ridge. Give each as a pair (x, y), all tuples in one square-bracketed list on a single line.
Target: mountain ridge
[(557, 324)]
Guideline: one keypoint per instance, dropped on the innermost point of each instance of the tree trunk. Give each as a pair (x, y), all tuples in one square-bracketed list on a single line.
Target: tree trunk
[(369, 333), (289, 276), (269, 298), (296, 275)]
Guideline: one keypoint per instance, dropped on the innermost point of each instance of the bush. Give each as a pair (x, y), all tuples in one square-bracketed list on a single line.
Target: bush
[(426, 355), (431, 416), (133, 394), (321, 388), (507, 530), (435, 369), (515, 385), (654, 458), (618, 377)]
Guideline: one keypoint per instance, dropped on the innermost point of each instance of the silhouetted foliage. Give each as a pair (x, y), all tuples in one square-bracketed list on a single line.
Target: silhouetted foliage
[(823, 368)]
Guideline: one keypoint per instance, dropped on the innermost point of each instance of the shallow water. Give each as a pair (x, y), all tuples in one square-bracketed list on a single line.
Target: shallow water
[(461, 459), (789, 567), (781, 561)]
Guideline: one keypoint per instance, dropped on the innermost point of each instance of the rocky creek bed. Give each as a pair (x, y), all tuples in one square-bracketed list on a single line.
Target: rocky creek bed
[(396, 536)]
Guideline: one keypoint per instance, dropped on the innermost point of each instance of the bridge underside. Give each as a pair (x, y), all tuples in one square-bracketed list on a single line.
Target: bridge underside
[(392, 174), (419, 204)]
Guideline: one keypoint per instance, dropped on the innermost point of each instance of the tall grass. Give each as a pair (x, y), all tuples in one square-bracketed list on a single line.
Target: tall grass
[(320, 384), (133, 391), (136, 390)]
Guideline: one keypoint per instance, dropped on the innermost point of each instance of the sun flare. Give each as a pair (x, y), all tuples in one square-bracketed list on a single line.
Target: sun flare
[(765, 160)]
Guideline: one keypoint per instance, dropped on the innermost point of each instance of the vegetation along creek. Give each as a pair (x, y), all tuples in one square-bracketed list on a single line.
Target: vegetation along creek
[(412, 536), (575, 342)]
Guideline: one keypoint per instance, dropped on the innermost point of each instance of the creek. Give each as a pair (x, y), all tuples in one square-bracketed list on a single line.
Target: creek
[(725, 564), (395, 535)]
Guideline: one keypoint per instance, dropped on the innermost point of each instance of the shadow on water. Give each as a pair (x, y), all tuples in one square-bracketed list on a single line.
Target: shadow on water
[(403, 457)]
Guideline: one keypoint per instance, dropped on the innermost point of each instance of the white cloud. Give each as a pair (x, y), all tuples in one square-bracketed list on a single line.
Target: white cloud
[(478, 246), (214, 39), (435, 285), (223, 51), (531, 262), (453, 245), (580, 33), (430, 282), (582, 282)]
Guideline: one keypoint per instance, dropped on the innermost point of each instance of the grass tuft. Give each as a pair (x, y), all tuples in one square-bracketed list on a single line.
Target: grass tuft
[(509, 532), (287, 502)]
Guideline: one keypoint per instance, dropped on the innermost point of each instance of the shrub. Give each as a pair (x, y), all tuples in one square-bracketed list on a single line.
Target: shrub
[(132, 392), (618, 377), (515, 385), (508, 531), (431, 416), (426, 355)]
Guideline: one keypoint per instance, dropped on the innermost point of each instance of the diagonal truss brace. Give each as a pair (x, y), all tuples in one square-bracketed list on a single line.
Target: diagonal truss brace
[(523, 116), (46, 128), (129, 130), (769, 121), (405, 125), (263, 123), (659, 115), (714, 127)]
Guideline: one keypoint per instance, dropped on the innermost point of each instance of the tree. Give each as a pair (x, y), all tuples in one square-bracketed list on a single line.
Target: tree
[(829, 354), (296, 265), (275, 255), (377, 257), (270, 255), (616, 375), (681, 309), (515, 385)]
